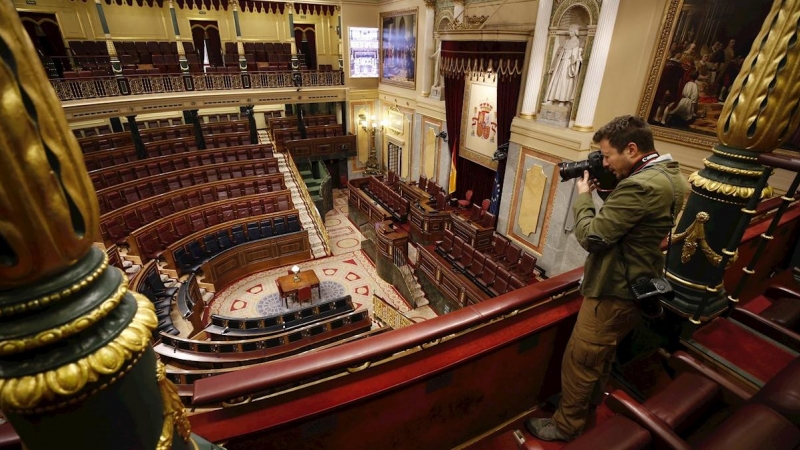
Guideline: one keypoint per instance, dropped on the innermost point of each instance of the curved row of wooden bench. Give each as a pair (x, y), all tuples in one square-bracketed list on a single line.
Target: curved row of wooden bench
[(148, 135), (135, 190), (148, 283), (216, 354), (196, 244), (161, 165), (107, 158), (117, 224), (275, 123), (388, 198), (281, 135), (233, 328), (174, 226)]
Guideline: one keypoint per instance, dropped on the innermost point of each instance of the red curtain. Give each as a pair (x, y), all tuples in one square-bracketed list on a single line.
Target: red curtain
[(503, 55)]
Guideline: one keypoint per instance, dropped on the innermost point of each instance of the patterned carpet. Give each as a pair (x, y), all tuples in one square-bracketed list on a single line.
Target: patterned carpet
[(348, 271)]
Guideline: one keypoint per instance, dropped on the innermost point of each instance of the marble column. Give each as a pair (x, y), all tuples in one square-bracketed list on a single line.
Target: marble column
[(239, 45), (597, 66), (533, 83), (116, 67), (429, 59), (181, 52)]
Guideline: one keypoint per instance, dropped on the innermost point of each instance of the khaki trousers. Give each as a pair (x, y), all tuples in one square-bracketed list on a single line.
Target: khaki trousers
[(601, 324)]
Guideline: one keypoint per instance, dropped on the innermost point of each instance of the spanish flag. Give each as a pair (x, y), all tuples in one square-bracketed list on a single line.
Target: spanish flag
[(452, 184)]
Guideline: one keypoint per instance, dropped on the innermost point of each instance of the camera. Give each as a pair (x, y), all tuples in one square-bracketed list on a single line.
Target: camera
[(594, 164), (648, 293)]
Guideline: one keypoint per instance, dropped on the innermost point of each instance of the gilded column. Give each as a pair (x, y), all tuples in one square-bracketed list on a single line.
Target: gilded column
[(533, 83), (112, 51), (597, 66), (429, 59), (759, 114), (76, 366), (184, 63)]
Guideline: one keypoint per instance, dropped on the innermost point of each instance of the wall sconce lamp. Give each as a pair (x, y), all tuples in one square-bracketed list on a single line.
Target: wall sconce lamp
[(443, 135)]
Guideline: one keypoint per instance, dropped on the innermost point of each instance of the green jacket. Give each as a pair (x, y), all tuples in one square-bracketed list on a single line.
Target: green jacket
[(633, 221)]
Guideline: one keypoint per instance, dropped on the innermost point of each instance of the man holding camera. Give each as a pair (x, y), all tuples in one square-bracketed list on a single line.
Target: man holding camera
[(624, 263)]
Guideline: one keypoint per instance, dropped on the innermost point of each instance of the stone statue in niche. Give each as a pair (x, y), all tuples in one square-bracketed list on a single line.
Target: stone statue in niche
[(564, 69), (437, 90)]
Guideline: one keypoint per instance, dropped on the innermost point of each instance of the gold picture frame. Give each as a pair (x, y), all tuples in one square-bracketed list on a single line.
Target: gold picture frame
[(689, 32), (398, 48)]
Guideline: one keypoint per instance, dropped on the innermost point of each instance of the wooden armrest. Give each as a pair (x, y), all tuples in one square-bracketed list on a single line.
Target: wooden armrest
[(776, 292), (622, 404), (768, 328), (732, 393)]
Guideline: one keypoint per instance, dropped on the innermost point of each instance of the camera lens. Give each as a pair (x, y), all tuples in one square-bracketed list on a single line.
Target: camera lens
[(570, 170)]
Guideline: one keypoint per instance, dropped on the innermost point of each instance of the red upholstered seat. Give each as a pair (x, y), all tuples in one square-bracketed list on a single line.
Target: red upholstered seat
[(618, 433), (753, 426), (464, 204), (683, 401), (782, 392)]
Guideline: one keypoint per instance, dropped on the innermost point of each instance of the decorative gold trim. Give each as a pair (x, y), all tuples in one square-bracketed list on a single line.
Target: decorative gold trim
[(734, 300), (732, 170), (748, 271), (359, 367), (174, 414), (733, 155), (719, 199), (77, 325), (767, 237), (700, 181), (688, 283), (25, 395), (47, 299), (695, 235), (583, 128), (749, 211), (526, 116)]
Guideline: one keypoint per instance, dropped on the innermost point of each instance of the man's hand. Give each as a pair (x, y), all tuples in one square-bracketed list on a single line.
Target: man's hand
[(585, 184)]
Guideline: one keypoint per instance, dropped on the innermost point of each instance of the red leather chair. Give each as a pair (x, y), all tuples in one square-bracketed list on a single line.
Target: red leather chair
[(464, 204)]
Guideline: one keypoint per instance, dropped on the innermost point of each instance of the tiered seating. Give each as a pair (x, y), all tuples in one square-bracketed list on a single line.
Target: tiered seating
[(282, 135), (768, 419), (90, 59), (276, 123), (151, 57), (389, 199), (116, 225), (92, 131), (148, 283), (159, 133), (264, 56), (231, 328), (191, 353), (107, 158), (133, 191), (171, 227), (187, 254), (495, 273), (161, 165)]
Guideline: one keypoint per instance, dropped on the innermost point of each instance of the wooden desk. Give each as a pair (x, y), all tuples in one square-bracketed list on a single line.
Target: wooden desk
[(361, 208), (287, 287), (471, 232), (428, 224), (413, 193)]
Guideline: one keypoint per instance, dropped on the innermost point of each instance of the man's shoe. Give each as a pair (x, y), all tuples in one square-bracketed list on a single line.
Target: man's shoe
[(546, 430)]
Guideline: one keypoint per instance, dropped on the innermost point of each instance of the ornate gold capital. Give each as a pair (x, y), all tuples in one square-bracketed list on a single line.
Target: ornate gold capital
[(702, 182)]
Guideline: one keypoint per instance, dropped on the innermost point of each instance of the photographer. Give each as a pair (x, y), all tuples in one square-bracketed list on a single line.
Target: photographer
[(623, 239)]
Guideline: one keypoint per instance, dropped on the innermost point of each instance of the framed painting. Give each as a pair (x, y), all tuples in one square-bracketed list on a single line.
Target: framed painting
[(478, 141), (700, 48), (399, 48)]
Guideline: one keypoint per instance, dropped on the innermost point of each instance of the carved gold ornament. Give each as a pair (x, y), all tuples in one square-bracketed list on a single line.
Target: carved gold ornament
[(48, 208), (694, 237), (732, 170), (174, 414), (702, 182), (27, 394), (75, 326)]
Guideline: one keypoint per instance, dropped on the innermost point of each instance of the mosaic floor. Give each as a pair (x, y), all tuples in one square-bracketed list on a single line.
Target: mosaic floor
[(348, 271)]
